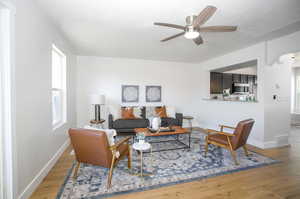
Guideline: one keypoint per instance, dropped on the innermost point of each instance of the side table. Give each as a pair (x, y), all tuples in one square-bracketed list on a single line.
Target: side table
[(97, 124), (141, 147), (190, 121)]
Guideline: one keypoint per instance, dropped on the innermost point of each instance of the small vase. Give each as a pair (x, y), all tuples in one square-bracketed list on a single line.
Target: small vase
[(156, 122), (141, 141)]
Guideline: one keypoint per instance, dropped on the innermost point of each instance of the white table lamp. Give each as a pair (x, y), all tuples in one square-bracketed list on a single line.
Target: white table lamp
[(97, 99)]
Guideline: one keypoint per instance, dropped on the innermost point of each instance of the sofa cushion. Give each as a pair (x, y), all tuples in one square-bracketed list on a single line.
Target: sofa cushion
[(222, 139), (137, 111), (127, 113), (168, 121), (161, 111), (130, 124), (151, 111)]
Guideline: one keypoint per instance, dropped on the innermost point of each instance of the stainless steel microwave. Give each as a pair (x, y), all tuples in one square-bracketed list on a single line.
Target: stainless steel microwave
[(240, 88)]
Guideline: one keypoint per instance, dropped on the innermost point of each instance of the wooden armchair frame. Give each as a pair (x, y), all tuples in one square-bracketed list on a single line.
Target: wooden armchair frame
[(115, 159), (228, 136)]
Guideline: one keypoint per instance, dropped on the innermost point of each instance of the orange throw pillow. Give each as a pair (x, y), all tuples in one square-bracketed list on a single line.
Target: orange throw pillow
[(127, 113), (161, 111)]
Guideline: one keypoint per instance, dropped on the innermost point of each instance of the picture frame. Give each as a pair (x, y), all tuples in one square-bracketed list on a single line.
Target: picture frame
[(153, 93), (130, 93)]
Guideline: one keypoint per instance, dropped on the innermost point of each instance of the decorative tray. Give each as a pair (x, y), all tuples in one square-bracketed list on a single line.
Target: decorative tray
[(161, 130)]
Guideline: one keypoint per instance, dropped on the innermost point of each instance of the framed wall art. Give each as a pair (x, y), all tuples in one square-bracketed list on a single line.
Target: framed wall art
[(130, 93), (153, 93)]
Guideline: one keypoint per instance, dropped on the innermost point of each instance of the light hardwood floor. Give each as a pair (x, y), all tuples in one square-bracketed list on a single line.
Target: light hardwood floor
[(276, 181)]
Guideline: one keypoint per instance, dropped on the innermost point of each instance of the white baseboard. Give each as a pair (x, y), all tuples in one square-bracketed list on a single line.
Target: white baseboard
[(255, 143), (261, 145), (283, 140), (280, 141), (270, 144), (43, 173)]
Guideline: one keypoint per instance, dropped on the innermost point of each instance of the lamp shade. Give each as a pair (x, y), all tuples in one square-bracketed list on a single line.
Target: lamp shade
[(97, 99)]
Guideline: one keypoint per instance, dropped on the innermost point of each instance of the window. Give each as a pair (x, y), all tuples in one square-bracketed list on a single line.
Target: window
[(58, 87)]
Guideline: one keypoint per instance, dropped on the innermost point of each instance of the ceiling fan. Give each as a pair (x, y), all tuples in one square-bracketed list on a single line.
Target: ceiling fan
[(194, 26)]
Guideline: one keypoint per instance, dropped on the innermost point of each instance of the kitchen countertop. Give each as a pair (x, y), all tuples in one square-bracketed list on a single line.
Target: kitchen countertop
[(229, 100)]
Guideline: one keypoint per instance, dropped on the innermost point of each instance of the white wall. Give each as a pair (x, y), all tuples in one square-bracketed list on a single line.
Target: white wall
[(272, 116), (277, 111), (37, 144), (184, 86), (210, 113), (278, 71), (281, 46), (106, 75), (297, 61)]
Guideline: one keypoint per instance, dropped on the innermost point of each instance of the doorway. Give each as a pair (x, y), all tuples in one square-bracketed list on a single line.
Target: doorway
[(295, 90), (295, 99)]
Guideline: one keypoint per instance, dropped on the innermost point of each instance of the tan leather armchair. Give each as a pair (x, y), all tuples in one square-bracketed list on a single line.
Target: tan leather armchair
[(231, 141), (92, 147)]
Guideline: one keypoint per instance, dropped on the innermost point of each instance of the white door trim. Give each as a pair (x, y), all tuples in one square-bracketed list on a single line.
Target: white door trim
[(8, 190)]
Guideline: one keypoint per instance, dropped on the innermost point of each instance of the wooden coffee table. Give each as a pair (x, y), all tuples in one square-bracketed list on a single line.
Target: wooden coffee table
[(178, 131)]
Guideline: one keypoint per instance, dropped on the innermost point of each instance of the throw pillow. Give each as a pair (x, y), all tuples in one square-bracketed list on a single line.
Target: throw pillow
[(150, 112), (137, 112), (127, 113), (161, 111)]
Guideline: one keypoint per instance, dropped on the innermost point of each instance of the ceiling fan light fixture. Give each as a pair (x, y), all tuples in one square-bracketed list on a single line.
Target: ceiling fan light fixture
[(191, 33), (194, 25)]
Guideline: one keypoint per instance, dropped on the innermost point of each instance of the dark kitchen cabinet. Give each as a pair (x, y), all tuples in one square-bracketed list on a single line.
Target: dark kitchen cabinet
[(251, 79), (216, 83), (244, 79), (227, 81), (236, 78), (221, 81)]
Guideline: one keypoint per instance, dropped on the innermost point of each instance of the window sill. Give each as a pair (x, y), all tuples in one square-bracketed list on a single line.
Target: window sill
[(58, 125)]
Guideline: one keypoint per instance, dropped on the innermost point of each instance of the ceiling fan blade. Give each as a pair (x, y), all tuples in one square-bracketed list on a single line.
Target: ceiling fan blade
[(218, 29), (198, 40), (170, 25), (204, 15), (172, 37)]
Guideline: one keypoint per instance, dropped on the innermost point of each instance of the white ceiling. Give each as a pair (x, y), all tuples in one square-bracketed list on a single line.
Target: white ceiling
[(124, 28)]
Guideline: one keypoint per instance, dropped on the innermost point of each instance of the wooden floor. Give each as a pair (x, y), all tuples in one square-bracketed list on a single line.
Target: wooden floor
[(276, 181)]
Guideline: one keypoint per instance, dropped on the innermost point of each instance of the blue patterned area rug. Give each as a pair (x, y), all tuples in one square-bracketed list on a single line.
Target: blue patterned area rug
[(166, 168)]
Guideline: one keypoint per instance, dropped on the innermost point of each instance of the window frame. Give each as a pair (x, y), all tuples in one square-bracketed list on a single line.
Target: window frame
[(8, 176), (62, 89)]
